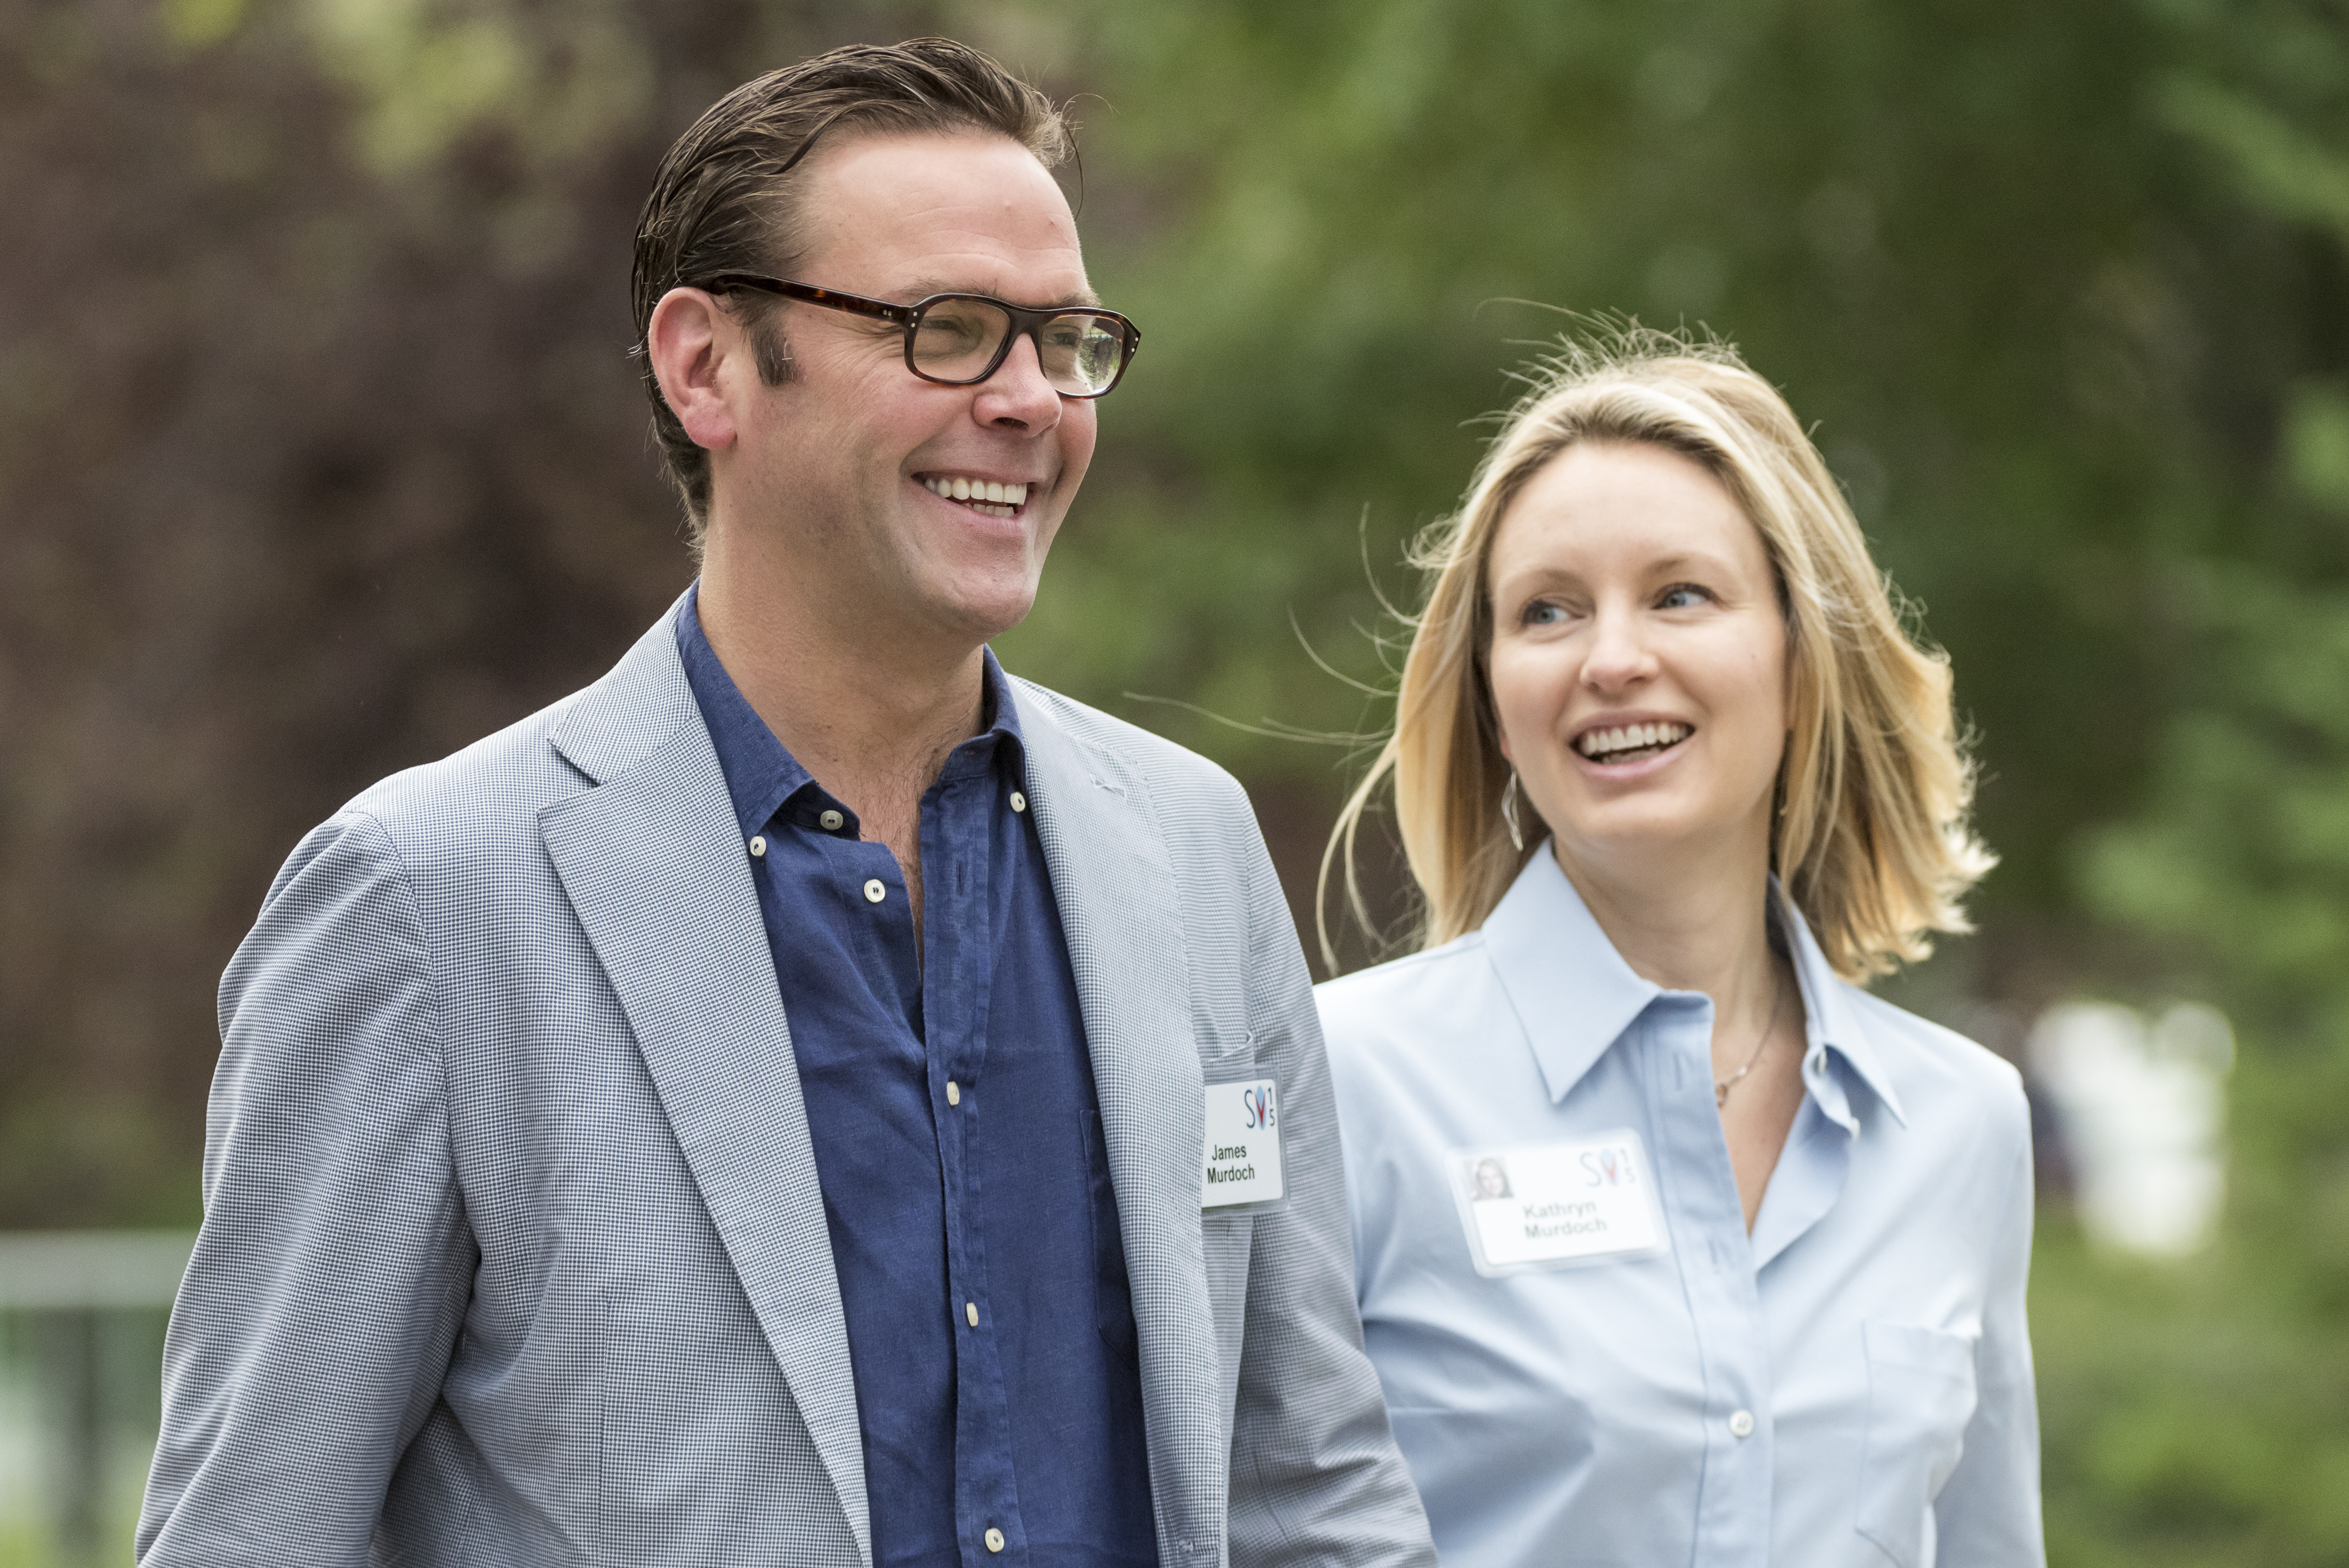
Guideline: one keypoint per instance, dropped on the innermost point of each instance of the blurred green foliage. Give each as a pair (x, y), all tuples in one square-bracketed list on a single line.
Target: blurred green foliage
[(2237, 863), (319, 456)]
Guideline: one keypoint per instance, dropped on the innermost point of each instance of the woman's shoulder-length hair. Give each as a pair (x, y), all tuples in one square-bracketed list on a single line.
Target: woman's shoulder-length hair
[(1873, 842)]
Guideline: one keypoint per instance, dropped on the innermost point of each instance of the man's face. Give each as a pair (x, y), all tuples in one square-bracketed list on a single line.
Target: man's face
[(839, 464)]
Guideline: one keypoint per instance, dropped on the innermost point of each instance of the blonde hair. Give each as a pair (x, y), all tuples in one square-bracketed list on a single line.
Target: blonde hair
[(1873, 843)]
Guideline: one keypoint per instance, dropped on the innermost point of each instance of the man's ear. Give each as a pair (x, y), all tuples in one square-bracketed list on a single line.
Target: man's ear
[(687, 341)]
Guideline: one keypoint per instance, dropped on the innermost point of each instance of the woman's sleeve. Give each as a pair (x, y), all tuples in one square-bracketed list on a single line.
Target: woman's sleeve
[(1987, 1515)]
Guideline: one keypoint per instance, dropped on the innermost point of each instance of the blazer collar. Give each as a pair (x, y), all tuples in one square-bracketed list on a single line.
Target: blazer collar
[(634, 709), (1576, 996), (657, 875)]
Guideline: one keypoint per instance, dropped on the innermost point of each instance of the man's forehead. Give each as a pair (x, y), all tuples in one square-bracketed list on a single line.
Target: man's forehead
[(942, 214)]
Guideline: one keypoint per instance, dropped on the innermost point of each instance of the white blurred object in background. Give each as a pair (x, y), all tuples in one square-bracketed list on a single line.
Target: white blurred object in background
[(2143, 1109)]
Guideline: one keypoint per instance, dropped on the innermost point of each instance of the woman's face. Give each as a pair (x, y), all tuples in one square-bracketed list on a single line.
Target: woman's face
[(1639, 658)]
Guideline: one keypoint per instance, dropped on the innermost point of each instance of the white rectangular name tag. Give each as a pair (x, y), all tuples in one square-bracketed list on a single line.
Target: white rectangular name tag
[(1243, 1145), (1547, 1205)]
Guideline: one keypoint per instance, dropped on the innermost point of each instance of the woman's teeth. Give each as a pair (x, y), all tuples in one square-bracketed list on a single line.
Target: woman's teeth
[(1627, 741), (982, 495)]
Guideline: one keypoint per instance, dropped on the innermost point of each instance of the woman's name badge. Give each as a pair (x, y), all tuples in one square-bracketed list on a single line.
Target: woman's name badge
[(1243, 1145), (1554, 1205)]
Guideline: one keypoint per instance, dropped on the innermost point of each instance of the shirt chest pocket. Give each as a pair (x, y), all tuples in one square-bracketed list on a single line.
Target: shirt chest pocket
[(1921, 1395)]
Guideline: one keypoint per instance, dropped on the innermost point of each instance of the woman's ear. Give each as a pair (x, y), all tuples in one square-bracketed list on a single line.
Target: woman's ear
[(687, 341)]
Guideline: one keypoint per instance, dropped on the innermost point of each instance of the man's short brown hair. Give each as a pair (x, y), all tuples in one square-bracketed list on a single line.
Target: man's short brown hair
[(723, 199)]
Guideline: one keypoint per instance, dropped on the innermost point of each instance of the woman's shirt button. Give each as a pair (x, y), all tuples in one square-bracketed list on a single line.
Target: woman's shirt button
[(1741, 1424)]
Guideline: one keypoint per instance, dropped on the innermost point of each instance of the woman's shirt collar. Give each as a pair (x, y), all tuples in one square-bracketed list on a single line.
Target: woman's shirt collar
[(1574, 996)]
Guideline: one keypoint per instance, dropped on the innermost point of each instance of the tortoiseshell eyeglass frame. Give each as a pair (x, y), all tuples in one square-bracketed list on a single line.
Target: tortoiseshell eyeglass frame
[(1025, 321)]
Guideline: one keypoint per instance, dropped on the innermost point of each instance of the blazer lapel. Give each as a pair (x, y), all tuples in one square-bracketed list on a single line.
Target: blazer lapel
[(1119, 915), (654, 868)]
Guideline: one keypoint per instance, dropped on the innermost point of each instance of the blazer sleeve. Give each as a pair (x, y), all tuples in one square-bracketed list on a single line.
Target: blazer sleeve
[(1315, 1477), (1987, 1515), (314, 1324)]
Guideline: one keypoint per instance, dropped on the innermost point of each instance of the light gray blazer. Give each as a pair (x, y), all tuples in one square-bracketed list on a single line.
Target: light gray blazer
[(513, 1248)]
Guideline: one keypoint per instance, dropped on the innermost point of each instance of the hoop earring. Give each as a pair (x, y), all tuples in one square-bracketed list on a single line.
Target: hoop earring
[(1509, 812)]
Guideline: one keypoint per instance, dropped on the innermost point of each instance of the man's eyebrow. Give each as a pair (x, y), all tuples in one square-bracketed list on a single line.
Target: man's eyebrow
[(926, 286)]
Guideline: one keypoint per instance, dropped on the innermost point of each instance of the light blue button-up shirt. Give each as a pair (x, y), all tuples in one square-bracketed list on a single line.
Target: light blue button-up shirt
[(1849, 1385)]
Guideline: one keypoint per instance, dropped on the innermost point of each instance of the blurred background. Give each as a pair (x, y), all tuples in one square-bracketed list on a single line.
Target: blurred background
[(320, 456)]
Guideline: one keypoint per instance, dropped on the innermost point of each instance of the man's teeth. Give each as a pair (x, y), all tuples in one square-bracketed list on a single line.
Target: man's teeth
[(982, 495), (1631, 738)]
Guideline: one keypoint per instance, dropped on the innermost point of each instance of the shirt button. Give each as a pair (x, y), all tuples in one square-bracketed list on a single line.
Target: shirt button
[(874, 892), (994, 1539), (1019, 801), (970, 1313), (831, 820), (954, 1093), (1741, 1424), (758, 846)]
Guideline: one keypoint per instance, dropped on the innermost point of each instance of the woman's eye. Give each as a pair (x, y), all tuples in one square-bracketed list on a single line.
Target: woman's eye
[(1541, 612), (1687, 595)]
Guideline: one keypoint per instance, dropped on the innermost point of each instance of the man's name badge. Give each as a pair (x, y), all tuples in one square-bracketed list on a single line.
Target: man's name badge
[(1243, 1145), (1556, 1205)]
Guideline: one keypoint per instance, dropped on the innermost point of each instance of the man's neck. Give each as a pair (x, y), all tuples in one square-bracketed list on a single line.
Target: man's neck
[(872, 718), (870, 710)]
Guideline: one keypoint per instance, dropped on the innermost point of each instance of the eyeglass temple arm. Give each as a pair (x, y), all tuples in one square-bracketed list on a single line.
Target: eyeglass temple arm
[(808, 294)]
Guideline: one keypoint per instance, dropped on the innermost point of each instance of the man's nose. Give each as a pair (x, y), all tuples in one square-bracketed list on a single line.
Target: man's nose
[(1018, 394)]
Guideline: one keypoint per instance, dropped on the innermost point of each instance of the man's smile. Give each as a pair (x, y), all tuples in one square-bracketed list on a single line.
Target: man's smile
[(993, 497)]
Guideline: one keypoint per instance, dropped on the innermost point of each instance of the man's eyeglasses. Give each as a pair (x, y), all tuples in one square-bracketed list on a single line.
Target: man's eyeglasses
[(959, 339)]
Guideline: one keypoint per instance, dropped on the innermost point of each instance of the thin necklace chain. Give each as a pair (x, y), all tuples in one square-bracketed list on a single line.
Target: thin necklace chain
[(1721, 1086)]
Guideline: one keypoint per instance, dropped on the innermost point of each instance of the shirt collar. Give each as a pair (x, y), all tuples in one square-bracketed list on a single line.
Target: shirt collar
[(761, 774), (1572, 991), (1834, 1025), (1574, 996)]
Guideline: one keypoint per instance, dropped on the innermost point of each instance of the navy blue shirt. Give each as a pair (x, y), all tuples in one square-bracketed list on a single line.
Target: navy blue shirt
[(959, 1142)]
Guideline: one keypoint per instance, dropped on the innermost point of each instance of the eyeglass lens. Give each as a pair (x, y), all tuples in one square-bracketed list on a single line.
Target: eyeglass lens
[(955, 338)]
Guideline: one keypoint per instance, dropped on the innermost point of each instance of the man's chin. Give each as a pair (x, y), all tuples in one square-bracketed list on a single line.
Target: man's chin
[(983, 616), (1000, 619)]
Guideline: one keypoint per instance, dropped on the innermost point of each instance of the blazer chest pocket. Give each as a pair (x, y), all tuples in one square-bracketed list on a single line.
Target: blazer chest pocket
[(1223, 1052), (1921, 1395)]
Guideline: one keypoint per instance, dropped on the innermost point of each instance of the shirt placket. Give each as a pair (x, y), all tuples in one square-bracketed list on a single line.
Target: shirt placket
[(958, 939), (1708, 1229)]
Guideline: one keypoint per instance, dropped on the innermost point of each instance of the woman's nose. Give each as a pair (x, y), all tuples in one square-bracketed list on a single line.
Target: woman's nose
[(1619, 655)]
